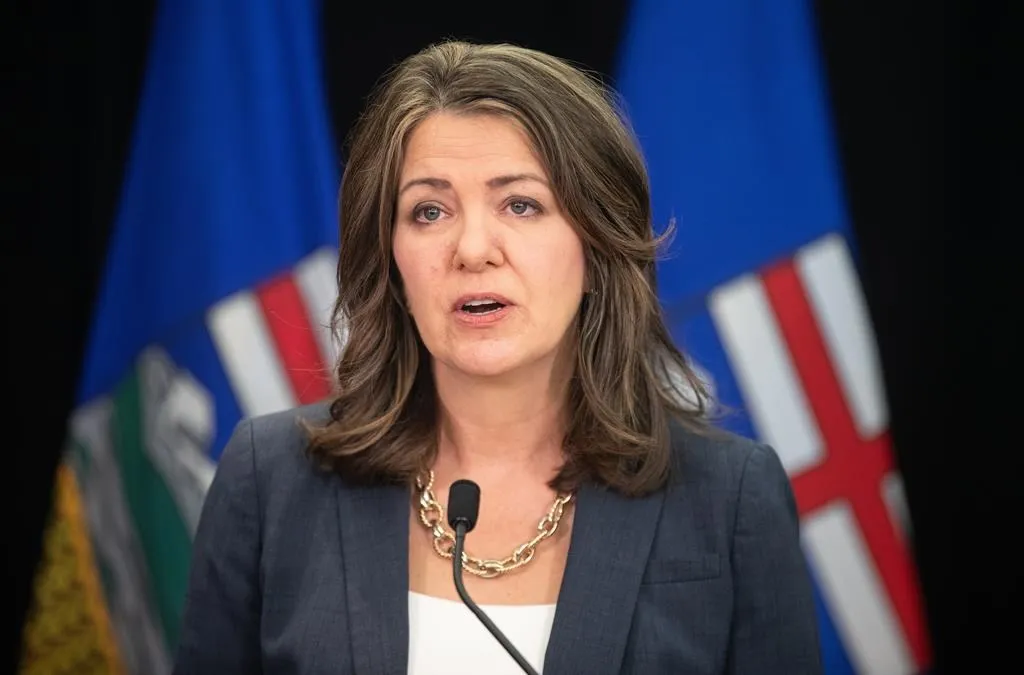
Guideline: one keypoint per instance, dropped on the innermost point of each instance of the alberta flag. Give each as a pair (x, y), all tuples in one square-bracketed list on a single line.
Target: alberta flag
[(217, 290), (762, 289)]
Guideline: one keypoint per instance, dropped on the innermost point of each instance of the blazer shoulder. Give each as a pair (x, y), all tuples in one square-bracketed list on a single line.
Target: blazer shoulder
[(283, 429), (279, 440), (712, 456), (730, 474)]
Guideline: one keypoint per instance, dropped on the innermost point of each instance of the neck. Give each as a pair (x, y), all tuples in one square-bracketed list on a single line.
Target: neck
[(493, 426)]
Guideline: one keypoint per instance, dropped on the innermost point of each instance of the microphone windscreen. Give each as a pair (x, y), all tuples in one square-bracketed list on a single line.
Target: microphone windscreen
[(463, 503)]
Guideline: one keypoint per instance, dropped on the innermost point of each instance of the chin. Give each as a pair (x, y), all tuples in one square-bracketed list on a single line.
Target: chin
[(486, 362)]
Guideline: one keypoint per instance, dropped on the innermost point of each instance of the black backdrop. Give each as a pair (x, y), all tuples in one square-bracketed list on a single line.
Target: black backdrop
[(922, 101)]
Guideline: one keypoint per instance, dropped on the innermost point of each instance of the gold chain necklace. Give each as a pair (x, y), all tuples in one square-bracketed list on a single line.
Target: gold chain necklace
[(432, 516)]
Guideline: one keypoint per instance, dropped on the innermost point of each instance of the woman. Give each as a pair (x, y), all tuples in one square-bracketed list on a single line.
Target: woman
[(497, 287)]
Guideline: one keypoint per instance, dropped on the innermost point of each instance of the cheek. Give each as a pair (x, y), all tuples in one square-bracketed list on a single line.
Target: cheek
[(568, 266), (418, 268), (558, 271), (408, 259)]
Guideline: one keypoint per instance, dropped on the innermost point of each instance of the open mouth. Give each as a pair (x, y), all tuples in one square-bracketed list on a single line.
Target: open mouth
[(482, 306)]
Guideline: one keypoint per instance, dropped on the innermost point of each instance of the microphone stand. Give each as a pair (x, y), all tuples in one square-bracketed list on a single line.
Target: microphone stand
[(460, 542)]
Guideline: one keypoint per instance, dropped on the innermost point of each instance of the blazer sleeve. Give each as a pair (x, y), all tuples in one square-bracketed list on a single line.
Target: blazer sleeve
[(220, 625), (775, 627)]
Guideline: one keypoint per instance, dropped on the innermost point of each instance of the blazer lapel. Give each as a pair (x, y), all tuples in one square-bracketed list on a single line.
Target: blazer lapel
[(608, 551), (374, 524)]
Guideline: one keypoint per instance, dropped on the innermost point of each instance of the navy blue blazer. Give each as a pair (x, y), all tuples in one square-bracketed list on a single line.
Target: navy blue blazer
[(294, 571)]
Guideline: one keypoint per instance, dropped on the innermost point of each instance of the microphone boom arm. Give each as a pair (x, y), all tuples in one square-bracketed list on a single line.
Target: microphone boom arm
[(460, 542)]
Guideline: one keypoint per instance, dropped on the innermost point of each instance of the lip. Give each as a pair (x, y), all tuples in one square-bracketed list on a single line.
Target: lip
[(470, 320), (497, 297)]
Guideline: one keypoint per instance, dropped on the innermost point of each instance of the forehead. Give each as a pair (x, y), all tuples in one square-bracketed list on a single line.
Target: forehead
[(480, 142)]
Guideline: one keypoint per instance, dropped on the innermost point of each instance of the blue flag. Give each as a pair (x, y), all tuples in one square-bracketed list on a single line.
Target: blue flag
[(761, 287), (217, 291)]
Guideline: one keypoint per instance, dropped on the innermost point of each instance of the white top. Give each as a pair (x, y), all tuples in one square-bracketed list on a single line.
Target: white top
[(445, 637)]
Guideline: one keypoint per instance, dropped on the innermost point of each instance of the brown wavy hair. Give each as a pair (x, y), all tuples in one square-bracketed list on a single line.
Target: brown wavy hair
[(630, 380)]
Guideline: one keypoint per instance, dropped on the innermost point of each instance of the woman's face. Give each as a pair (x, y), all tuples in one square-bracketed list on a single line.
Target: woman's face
[(492, 270)]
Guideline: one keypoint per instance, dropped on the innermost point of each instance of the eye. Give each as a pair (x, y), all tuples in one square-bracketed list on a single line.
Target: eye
[(523, 207), (428, 213)]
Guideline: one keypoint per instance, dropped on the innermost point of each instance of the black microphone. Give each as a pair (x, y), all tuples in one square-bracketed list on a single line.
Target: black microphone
[(463, 507)]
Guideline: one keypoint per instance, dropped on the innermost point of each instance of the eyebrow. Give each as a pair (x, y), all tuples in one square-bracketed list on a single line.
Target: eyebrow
[(493, 183)]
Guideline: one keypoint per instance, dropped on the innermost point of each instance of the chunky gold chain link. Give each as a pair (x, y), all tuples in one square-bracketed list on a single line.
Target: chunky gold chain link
[(432, 516)]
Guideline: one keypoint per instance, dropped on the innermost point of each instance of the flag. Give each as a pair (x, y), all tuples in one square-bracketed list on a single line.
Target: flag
[(761, 288), (215, 300)]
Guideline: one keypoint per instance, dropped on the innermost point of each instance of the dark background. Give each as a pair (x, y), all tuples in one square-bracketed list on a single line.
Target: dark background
[(923, 103)]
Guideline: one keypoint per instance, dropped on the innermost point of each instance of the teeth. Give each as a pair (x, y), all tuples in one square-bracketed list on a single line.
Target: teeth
[(477, 303)]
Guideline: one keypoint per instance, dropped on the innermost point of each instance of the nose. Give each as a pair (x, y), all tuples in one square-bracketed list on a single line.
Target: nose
[(478, 244)]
